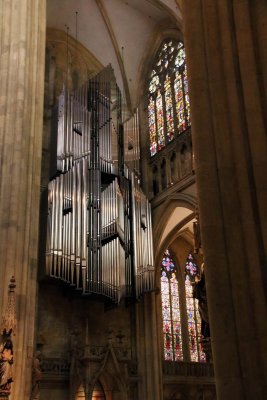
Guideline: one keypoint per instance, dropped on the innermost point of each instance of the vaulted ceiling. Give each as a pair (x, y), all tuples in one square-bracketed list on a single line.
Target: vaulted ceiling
[(120, 32)]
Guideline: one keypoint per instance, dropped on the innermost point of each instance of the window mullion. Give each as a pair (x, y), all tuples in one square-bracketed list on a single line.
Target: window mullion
[(156, 119), (184, 320), (175, 119), (184, 99), (171, 315), (197, 330), (162, 90)]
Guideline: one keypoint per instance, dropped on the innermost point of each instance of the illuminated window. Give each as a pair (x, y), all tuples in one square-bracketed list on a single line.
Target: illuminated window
[(172, 312), (168, 102), (98, 393)]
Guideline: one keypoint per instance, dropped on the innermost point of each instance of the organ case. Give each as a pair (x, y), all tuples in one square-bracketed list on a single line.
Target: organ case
[(99, 236)]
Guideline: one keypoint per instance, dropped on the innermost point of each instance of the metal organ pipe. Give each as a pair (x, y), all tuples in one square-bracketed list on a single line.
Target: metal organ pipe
[(99, 237)]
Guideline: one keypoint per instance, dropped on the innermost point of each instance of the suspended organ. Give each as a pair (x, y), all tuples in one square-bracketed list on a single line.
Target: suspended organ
[(99, 221)]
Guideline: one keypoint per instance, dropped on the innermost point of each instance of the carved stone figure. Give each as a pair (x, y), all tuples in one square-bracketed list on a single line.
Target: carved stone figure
[(6, 361), (200, 294), (36, 376), (6, 346), (185, 157)]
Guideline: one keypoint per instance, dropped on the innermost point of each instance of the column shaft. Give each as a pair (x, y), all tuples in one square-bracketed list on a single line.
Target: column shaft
[(21, 109), (227, 81)]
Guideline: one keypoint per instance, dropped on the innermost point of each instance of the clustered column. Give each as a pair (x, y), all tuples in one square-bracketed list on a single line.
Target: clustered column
[(21, 109), (227, 67)]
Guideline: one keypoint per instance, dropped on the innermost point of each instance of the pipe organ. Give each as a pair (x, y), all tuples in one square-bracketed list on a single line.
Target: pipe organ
[(99, 236), (132, 145)]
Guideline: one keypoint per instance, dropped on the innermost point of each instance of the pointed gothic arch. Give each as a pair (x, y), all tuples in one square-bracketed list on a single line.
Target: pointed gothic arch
[(168, 97), (181, 321), (173, 349)]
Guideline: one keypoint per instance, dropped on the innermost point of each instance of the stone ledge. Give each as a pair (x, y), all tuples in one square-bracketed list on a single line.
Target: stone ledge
[(187, 369)]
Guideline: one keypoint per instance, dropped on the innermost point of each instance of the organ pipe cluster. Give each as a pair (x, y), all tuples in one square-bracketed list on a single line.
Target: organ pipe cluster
[(132, 143), (99, 236)]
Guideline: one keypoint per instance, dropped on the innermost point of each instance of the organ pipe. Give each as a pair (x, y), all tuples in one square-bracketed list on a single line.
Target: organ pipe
[(99, 231)]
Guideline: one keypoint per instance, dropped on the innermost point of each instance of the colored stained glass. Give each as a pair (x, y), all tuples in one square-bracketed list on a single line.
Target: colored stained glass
[(169, 74), (154, 83), (179, 98), (152, 127), (187, 103), (160, 121), (193, 317), (167, 262), (180, 58), (191, 267), (191, 320), (170, 310), (169, 109)]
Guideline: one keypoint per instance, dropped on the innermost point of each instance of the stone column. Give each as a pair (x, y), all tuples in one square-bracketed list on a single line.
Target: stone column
[(227, 65), (21, 109), (148, 350)]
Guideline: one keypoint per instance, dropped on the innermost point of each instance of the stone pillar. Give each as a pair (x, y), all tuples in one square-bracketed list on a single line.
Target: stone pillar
[(21, 108), (227, 65), (148, 351)]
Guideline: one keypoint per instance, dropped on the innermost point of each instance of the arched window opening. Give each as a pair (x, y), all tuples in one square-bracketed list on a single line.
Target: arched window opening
[(98, 393), (193, 317), (170, 310), (168, 102), (80, 395)]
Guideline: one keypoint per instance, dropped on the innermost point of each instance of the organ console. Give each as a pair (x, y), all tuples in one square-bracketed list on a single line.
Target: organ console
[(99, 236)]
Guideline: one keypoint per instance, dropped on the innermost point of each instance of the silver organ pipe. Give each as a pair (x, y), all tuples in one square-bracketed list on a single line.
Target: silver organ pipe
[(131, 143), (99, 232)]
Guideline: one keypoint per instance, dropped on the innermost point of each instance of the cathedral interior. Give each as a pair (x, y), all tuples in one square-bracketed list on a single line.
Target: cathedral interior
[(133, 200)]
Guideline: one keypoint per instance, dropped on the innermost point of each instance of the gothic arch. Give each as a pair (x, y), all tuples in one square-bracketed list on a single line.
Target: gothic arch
[(110, 375), (158, 36), (176, 232), (166, 209)]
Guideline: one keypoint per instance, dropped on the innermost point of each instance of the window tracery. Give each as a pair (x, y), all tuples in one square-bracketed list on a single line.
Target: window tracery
[(173, 310), (170, 310), (168, 103)]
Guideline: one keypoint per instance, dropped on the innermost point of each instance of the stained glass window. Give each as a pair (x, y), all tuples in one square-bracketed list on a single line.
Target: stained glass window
[(193, 317), (169, 109), (168, 103), (170, 310), (152, 127), (160, 121)]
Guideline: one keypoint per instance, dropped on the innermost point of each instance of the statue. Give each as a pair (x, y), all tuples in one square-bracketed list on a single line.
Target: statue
[(196, 231), (6, 345), (199, 293), (186, 162), (6, 361), (36, 376)]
